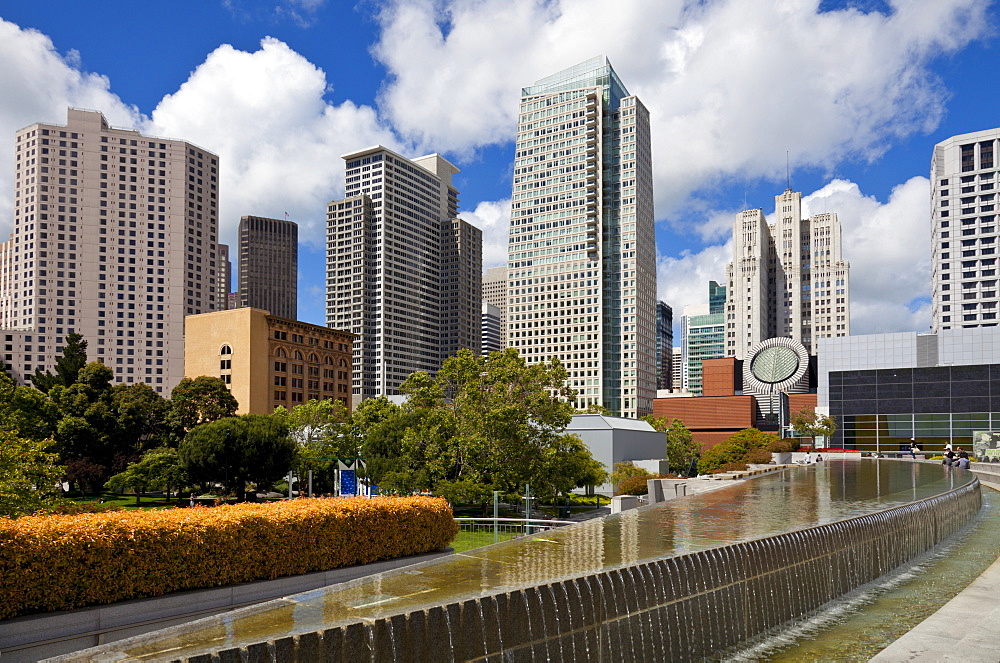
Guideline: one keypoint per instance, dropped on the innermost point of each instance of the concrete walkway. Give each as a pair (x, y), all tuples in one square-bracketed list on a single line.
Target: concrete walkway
[(967, 628)]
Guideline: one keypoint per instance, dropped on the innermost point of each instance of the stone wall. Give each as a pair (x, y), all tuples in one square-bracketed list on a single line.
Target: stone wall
[(680, 608)]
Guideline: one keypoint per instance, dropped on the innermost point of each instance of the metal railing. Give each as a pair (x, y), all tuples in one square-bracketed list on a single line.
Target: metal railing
[(478, 532)]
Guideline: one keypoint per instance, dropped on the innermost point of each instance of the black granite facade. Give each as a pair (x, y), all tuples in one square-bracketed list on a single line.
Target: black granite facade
[(882, 409)]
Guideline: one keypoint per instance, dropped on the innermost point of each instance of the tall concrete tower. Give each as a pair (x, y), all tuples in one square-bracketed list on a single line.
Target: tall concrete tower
[(582, 252), (964, 231), (787, 279), (402, 270), (269, 265), (115, 237)]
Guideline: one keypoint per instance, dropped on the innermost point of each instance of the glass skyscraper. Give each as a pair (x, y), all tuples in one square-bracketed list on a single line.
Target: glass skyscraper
[(582, 252)]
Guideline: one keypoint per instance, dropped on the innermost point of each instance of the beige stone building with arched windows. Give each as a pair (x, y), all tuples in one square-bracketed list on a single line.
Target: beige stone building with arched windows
[(268, 361)]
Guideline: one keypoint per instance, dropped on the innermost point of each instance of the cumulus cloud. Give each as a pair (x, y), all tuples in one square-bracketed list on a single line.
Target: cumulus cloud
[(683, 280), (731, 84), (279, 142), (887, 244), (38, 84), (493, 218)]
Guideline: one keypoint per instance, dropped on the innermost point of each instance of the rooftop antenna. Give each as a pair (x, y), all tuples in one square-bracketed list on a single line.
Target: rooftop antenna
[(744, 200), (788, 173)]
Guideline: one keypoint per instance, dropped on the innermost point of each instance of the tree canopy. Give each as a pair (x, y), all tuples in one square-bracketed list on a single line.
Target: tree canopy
[(68, 366), (158, 468), (483, 424), (29, 475), (735, 449), (807, 423), (200, 400), (252, 448)]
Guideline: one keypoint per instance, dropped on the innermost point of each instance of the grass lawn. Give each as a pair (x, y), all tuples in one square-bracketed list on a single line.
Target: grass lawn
[(470, 540), (127, 501)]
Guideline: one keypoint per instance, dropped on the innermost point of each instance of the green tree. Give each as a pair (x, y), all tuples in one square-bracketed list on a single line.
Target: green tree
[(142, 417), (508, 421), (626, 470), (681, 447), (88, 424), (807, 423), (321, 432), (26, 411), (158, 468), (29, 475), (735, 449), (252, 448), (199, 401), (68, 366)]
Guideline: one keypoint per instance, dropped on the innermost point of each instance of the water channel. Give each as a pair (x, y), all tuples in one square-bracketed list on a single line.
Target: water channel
[(785, 501)]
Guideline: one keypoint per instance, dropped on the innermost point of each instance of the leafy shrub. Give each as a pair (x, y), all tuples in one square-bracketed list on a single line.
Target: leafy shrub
[(759, 456), (55, 562), (635, 485), (624, 471), (783, 446), (731, 467), (734, 449)]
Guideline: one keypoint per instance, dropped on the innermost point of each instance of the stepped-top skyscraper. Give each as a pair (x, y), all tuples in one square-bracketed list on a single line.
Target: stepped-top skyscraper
[(964, 174), (268, 265), (582, 252), (115, 237), (403, 272), (787, 278)]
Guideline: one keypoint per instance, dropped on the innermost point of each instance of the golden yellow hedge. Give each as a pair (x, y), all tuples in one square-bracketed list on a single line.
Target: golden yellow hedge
[(55, 562)]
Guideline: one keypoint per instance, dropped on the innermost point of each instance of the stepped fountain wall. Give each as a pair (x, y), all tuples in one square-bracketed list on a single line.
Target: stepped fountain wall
[(682, 607)]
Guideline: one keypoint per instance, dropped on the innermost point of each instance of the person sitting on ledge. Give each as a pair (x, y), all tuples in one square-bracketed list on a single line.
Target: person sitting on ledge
[(819, 458), (808, 458)]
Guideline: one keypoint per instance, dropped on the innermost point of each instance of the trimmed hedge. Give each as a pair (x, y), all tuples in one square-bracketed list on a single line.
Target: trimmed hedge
[(56, 562)]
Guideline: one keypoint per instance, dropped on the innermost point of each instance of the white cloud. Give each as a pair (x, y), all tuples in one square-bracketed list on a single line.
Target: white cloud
[(887, 244), (493, 218), (683, 281), (279, 142), (731, 84), (38, 85)]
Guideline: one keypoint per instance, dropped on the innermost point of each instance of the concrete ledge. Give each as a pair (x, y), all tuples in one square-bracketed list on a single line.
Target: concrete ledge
[(32, 637)]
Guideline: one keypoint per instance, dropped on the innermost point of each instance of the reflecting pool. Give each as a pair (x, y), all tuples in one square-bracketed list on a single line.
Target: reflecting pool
[(786, 500)]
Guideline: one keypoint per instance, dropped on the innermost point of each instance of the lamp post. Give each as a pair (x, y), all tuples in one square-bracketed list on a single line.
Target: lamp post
[(225, 451)]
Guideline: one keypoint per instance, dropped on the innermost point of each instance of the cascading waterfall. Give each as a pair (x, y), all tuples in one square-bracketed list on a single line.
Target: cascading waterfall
[(740, 578)]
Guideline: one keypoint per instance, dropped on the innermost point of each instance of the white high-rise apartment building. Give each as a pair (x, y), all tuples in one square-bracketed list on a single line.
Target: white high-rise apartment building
[(495, 294), (787, 278), (964, 174), (115, 238), (402, 270), (582, 252)]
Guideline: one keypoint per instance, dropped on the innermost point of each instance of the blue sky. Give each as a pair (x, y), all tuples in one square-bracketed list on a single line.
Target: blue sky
[(856, 93)]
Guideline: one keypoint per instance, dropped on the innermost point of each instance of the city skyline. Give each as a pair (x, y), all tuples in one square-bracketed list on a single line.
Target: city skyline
[(857, 99)]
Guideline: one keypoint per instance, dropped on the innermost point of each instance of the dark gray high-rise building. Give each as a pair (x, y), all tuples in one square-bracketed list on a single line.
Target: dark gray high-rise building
[(269, 265), (665, 345), (225, 277)]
